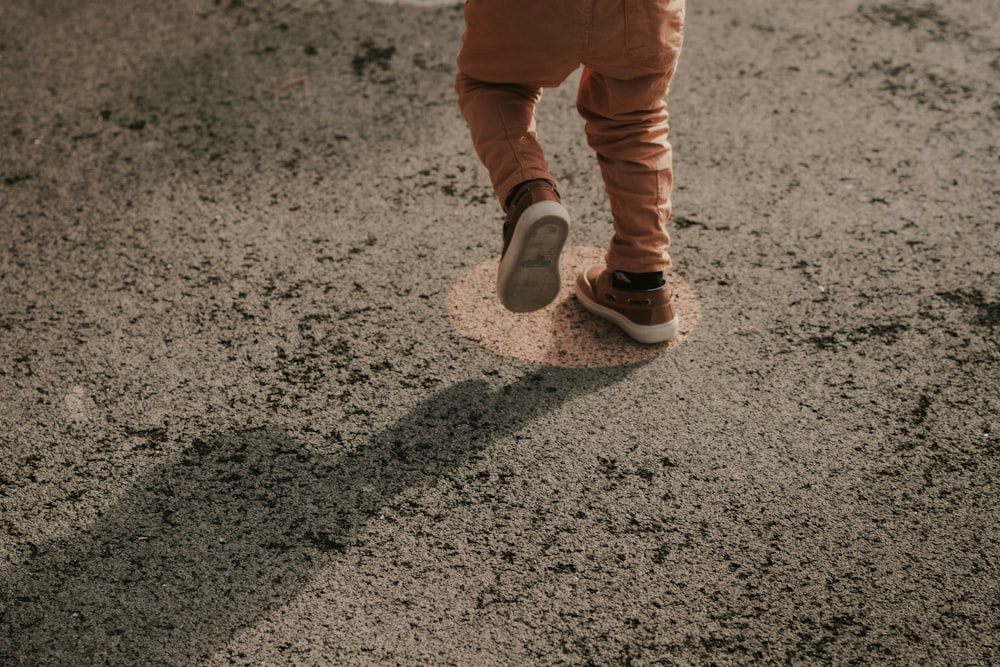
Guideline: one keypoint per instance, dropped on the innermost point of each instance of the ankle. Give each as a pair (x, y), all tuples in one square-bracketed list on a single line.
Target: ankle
[(522, 187)]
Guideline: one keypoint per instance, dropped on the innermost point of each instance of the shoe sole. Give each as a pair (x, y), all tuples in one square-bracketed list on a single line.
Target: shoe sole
[(528, 278), (649, 334)]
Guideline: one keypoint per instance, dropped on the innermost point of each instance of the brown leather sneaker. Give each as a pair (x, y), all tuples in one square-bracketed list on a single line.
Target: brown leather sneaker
[(645, 315), (534, 233)]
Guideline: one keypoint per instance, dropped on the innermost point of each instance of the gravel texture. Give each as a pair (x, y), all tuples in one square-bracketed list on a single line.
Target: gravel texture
[(239, 425)]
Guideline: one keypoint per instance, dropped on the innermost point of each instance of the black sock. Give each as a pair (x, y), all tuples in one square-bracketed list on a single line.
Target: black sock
[(637, 281)]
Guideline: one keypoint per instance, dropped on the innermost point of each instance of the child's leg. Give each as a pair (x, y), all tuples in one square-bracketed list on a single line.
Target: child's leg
[(510, 50), (501, 119), (626, 123), (621, 99)]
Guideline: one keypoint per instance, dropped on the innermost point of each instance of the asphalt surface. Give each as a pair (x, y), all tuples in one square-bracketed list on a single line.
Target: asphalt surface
[(240, 426)]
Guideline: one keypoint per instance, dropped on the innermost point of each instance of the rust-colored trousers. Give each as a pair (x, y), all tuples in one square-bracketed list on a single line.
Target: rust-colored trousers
[(511, 49)]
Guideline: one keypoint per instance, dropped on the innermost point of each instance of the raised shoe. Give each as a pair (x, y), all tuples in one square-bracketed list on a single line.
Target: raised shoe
[(534, 232)]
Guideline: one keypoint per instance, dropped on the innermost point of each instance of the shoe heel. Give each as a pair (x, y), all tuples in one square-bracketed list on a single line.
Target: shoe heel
[(528, 278)]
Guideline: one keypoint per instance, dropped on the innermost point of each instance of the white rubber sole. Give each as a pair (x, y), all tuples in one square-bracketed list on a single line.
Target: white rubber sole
[(528, 278), (649, 334)]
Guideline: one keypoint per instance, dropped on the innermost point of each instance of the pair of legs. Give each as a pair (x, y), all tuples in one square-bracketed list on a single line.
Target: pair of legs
[(512, 49)]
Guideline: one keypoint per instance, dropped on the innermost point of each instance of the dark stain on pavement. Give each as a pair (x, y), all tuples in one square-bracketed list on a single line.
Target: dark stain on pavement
[(926, 18), (372, 56), (984, 313)]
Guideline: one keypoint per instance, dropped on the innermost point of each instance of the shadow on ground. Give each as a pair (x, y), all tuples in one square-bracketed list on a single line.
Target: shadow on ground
[(206, 545)]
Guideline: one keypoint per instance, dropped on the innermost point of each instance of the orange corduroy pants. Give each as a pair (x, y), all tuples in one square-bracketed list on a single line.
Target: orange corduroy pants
[(512, 49)]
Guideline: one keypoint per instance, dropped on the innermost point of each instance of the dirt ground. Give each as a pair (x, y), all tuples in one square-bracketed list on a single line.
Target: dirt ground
[(239, 425)]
